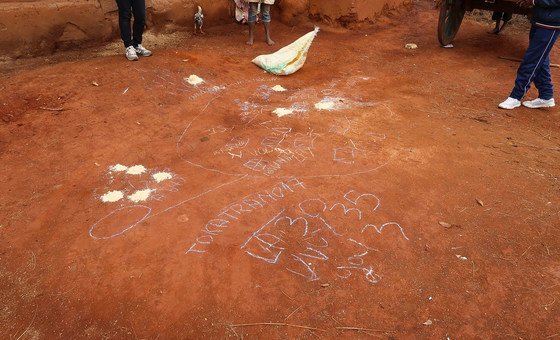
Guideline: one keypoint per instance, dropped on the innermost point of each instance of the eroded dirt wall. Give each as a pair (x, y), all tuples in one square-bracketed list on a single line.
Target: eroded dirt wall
[(39, 27), (345, 12), (35, 27)]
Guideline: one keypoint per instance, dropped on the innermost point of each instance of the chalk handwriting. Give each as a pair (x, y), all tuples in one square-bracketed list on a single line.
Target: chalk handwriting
[(303, 242), (237, 210), (344, 155)]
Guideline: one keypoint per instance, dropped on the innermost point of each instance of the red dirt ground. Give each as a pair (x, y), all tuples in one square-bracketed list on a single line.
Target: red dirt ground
[(415, 200)]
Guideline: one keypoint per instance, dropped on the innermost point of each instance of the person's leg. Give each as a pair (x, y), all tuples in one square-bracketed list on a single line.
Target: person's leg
[(497, 17), (252, 20), (514, 99), (506, 17), (265, 13), (125, 15), (139, 11), (540, 43), (543, 82)]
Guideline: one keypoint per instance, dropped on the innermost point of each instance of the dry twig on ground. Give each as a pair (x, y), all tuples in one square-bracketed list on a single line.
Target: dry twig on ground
[(276, 324)]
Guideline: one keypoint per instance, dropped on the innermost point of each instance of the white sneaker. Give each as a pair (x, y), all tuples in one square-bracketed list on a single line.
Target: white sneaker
[(510, 104), (130, 53), (144, 52), (538, 103)]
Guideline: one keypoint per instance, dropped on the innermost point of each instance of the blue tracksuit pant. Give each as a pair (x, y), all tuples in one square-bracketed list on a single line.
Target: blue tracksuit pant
[(535, 66)]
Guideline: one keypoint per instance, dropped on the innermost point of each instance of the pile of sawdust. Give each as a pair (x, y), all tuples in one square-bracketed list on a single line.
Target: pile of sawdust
[(518, 22), (150, 39)]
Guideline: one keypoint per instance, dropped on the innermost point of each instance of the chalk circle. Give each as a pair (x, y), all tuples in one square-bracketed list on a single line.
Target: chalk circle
[(119, 222), (313, 207)]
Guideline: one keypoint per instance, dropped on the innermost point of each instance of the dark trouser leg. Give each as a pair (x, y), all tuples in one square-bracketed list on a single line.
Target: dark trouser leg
[(497, 16), (543, 81), (125, 14), (139, 11), (541, 41), (506, 17)]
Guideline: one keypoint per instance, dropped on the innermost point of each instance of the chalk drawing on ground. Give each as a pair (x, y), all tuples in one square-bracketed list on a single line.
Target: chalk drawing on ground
[(147, 183), (345, 155), (227, 216), (256, 145), (273, 148), (114, 229), (252, 115), (137, 184), (125, 218), (308, 243)]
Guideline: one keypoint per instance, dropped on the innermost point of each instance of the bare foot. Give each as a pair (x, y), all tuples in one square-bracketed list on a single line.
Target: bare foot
[(250, 42), (270, 42)]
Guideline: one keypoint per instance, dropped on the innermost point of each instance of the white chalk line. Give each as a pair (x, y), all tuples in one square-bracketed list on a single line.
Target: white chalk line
[(177, 145), (125, 229), (242, 176), (262, 227), (199, 195), (184, 133), (149, 214), (353, 173)]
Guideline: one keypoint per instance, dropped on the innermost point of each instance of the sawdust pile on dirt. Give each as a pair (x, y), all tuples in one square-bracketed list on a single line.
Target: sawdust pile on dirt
[(517, 23), (152, 40)]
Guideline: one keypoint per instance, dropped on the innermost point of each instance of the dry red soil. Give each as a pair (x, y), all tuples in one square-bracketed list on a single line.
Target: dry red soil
[(414, 209)]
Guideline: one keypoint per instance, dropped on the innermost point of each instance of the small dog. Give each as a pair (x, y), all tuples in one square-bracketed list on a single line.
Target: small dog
[(198, 21)]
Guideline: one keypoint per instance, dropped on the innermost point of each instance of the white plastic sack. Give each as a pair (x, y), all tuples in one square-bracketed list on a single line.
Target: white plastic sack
[(288, 59)]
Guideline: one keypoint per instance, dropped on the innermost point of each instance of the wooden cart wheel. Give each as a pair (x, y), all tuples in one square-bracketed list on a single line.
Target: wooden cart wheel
[(450, 17)]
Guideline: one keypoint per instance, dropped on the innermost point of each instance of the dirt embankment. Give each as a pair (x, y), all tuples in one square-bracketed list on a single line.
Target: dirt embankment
[(39, 27)]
